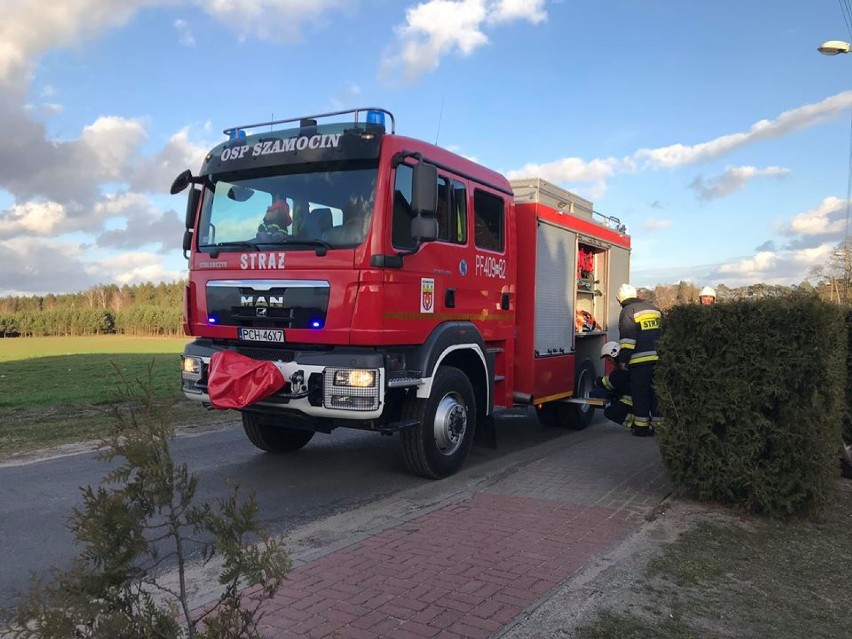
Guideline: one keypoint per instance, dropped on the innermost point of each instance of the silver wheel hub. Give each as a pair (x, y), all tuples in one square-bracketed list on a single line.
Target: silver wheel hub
[(584, 387), (450, 424)]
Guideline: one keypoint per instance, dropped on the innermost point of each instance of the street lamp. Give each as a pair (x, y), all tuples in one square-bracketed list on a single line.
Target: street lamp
[(833, 47)]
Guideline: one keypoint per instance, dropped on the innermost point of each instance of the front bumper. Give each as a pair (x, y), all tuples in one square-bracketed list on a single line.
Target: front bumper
[(313, 379)]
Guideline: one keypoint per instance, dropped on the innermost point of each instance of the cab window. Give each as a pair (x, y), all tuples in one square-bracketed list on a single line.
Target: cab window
[(451, 211), (489, 221), (401, 224)]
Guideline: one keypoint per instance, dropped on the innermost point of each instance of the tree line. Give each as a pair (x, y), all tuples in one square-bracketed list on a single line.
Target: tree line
[(140, 310), (157, 309)]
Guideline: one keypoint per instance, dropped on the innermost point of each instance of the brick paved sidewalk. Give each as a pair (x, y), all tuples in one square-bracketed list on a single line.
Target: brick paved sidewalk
[(469, 569)]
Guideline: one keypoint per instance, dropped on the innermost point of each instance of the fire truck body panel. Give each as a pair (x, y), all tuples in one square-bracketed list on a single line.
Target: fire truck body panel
[(480, 315)]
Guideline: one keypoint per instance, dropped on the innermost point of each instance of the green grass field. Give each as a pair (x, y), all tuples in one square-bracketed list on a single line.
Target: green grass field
[(21, 348), (59, 390)]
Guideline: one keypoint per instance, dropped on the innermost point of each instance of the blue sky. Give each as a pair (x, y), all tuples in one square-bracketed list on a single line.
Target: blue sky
[(714, 130)]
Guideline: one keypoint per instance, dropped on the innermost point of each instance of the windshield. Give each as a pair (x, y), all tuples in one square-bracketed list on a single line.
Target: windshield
[(296, 211)]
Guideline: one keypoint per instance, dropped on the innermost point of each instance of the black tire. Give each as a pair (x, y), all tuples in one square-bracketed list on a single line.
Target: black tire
[(266, 435), (581, 415), (571, 416), (439, 444)]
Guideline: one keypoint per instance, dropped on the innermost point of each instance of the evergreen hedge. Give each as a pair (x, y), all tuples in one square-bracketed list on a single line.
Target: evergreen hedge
[(753, 395)]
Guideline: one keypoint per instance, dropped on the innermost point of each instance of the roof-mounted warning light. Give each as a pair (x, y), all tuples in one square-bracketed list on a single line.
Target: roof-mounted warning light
[(374, 117)]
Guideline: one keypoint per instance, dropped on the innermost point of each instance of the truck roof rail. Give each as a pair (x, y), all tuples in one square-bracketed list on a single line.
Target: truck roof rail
[(365, 110), (611, 221)]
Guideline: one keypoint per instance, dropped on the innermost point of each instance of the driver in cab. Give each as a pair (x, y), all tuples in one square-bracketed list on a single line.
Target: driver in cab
[(273, 228)]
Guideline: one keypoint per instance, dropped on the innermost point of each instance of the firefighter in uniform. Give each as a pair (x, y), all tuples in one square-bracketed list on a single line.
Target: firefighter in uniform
[(639, 328), (707, 296), (615, 387), (273, 228)]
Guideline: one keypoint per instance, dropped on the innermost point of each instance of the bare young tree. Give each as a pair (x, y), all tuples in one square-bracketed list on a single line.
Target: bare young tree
[(836, 274)]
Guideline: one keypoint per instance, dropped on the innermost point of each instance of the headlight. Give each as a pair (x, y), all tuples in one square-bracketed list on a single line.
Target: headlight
[(355, 377), (191, 365), (351, 388)]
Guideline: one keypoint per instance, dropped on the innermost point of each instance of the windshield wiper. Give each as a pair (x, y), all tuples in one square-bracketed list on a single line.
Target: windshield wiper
[(217, 248), (322, 246)]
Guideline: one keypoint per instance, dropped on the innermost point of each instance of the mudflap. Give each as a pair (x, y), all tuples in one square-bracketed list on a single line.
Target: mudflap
[(485, 435)]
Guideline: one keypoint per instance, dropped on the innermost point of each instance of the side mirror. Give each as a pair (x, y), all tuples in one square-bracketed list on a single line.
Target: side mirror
[(424, 189), (424, 229), (181, 182), (187, 242), (191, 208)]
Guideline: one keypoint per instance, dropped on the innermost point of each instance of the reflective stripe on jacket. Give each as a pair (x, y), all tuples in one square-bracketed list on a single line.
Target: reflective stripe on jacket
[(639, 328)]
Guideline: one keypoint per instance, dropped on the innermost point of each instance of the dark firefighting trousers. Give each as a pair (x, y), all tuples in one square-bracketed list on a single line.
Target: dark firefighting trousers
[(642, 392), (620, 410)]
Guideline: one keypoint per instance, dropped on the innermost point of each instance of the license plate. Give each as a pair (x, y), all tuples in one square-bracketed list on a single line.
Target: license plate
[(261, 335)]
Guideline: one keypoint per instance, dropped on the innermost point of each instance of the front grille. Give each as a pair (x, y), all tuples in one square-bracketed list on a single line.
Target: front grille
[(267, 354), (268, 303)]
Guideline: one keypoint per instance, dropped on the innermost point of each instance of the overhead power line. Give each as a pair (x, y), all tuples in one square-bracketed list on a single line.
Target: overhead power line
[(846, 9)]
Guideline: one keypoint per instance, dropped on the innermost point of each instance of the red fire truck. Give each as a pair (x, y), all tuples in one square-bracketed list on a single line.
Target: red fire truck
[(406, 289)]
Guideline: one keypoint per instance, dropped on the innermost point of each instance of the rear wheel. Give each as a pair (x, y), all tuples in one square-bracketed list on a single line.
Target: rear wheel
[(582, 415), (572, 416), (438, 445), (266, 435)]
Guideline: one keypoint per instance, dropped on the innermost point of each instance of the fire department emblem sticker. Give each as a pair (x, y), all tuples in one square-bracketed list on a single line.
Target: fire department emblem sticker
[(427, 295)]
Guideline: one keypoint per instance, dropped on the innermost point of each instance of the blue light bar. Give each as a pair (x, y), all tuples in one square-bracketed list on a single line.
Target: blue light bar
[(376, 117), (233, 134)]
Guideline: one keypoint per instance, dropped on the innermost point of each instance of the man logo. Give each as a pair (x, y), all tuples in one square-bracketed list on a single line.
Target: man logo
[(261, 311)]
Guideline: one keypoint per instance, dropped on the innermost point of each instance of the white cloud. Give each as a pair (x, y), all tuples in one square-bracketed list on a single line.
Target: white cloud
[(568, 170), (29, 28), (32, 218), (52, 108), (113, 142), (733, 179), (788, 122), (132, 268), (31, 267), (143, 224), (511, 10), (760, 263), (815, 234), (815, 256), (272, 20), (438, 28), (185, 36), (155, 174), (656, 225), (828, 217)]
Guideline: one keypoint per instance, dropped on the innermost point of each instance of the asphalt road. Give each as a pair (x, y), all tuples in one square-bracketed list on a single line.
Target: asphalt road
[(332, 474)]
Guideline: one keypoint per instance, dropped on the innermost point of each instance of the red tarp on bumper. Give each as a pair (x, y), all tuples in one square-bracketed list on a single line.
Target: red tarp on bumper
[(236, 381)]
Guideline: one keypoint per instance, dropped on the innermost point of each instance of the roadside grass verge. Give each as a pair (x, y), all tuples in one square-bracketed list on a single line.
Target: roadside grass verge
[(56, 391), (736, 577)]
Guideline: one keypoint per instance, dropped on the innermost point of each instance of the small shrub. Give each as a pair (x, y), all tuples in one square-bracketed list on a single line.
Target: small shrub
[(141, 521)]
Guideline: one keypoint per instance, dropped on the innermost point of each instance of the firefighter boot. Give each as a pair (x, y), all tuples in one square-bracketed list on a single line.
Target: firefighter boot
[(641, 427)]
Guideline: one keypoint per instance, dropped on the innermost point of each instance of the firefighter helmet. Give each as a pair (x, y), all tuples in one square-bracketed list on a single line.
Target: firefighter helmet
[(626, 292), (707, 291), (610, 349)]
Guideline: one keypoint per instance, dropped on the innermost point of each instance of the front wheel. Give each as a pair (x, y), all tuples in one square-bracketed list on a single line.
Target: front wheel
[(438, 445), (266, 435)]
